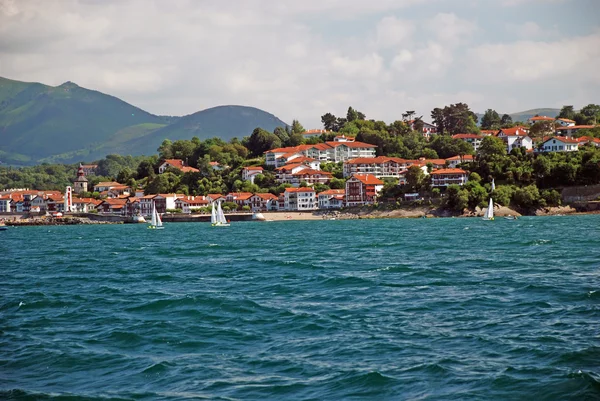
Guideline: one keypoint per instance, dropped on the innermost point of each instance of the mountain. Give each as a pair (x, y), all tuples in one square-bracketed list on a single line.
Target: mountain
[(224, 122), (68, 123)]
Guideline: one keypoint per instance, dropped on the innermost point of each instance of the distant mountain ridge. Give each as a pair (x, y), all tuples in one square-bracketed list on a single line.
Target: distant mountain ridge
[(68, 123), (523, 116)]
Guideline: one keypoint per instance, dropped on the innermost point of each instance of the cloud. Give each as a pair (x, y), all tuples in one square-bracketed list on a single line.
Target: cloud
[(293, 59)]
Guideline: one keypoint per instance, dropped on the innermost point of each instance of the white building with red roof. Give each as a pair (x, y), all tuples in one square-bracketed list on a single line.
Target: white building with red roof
[(263, 202), (177, 164), (537, 119), (362, 189), (331, 199), (584, 140), (559, 144), (570, 130), (189, 204), (249, 173), (516, 137), (448, 176), (300, 199), (456, 160), (565, 122), (332, 151)]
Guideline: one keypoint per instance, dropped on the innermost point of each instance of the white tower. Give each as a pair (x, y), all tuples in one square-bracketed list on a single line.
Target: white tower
[(68, 200)]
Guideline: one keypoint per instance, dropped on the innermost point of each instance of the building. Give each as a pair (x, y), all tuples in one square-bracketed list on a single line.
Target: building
[(448, 176), (474, 140), (189, 204), (565, 122), (572, 129), (332, 151), (263, 202), (584, 140), (516, 137), (314, 133), (89, 169), (456, 160), (105, 186), (362, 189), (428, 129), (300, 199), (559, 144), (80, 184), (331, 199), (249, 173), (538, 119), (177, 164)]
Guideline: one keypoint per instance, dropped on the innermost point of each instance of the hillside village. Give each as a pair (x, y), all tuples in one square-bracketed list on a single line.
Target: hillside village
[(326, 170)]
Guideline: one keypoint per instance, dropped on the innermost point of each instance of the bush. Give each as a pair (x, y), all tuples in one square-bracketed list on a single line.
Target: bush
[(528, 197), (552, 197)]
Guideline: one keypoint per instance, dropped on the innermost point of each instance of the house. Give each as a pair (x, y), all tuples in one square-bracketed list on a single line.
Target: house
[(584, 140), (217, 166), (538, 119), (448, 176), (263, 202), (310, 177), (559, 144), (565, 122), (85, 205), (113, 205), (300, 199), (516, 137), (314, 133), (239, 198), (331, 199), (343, 138), (362, 189), (488, 132), (189, 204), (105, 186), (474, 140), (428, 129), (284, 174), (178, 164), (249, 173), (5, 203), (572, 129), (381, 166), (214, 197), (456, 160), (308, 161)]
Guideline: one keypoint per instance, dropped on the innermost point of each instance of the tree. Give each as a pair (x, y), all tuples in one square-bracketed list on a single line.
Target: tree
[(164, 150), (552, 197), (502, 195), (337, 183), (527, 197), (457, 198), (492, 146), (282, 134), (329, 121), (437, 116), (414, 178), (260, 141), (567, 112), (145, 169), (491, 120), (506, 121), (297, 128)]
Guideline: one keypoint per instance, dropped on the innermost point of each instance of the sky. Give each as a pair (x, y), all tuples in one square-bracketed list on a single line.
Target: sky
[(302, 59)]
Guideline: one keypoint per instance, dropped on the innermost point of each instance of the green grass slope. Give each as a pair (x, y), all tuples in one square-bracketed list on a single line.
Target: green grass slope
[(40, 121), (527, 114)]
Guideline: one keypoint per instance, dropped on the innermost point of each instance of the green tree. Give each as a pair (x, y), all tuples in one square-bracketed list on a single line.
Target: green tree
[(457, 198), (260, 141), (506, 121), (527, 197), (415, 178), (492, 146), (502, 195), (329, 121), (567, 112), (297, 128), (552, 197), (491, 120)]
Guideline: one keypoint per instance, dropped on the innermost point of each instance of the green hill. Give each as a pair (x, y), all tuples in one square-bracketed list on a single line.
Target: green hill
[(68, 123), (526, 115), (224, 122)]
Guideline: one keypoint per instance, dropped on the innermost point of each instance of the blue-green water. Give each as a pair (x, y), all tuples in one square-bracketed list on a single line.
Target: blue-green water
[(421, 309)]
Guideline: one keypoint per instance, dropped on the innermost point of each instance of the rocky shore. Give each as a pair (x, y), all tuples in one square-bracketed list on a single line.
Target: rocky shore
[(53, 221)]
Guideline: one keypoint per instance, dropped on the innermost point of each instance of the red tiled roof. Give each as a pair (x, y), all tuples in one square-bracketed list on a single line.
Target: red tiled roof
[(305, 189), (576, 127), (465, 157), (310, 171), (368, 179), (265, 196), (253, 168), (452, 171), (354, 144), (515, 131), (333, 192), (541, 118), (466, 136), (565, 120), (563, 139)]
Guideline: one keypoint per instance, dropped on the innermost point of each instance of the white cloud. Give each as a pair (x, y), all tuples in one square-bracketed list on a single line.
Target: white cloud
[(293, 59)]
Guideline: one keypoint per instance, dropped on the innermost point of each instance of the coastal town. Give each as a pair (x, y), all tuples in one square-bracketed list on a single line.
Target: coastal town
[(298, 169)]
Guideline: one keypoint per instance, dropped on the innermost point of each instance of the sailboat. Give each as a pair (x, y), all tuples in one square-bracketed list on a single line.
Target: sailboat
[(217, 217), (489, 212), (156, 222)]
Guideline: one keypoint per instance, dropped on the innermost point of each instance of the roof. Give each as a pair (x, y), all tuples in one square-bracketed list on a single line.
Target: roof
[(566, 120), (445, 171), (563, 139), (541, 118), (333, 192), (354, 144), (310, 171), (304, 189), (249, 168), (514, 131), (301, 159), (320, 146), (266, 196), (368, 179), (315, 131), (107, 184), (467, 136), (465, 157), (180, 165), (291, 166), (576, 127)]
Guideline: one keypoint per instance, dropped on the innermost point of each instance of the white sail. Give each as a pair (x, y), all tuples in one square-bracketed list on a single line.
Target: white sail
[(493, 185), (489, 213), (220, 215), (213, 214), (154, 214), (158, 220)]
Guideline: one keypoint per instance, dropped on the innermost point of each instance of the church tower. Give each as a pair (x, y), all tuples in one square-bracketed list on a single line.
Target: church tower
[(81, 183)]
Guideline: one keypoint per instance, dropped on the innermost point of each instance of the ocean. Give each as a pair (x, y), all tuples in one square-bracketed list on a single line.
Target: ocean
[(399, 309)]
